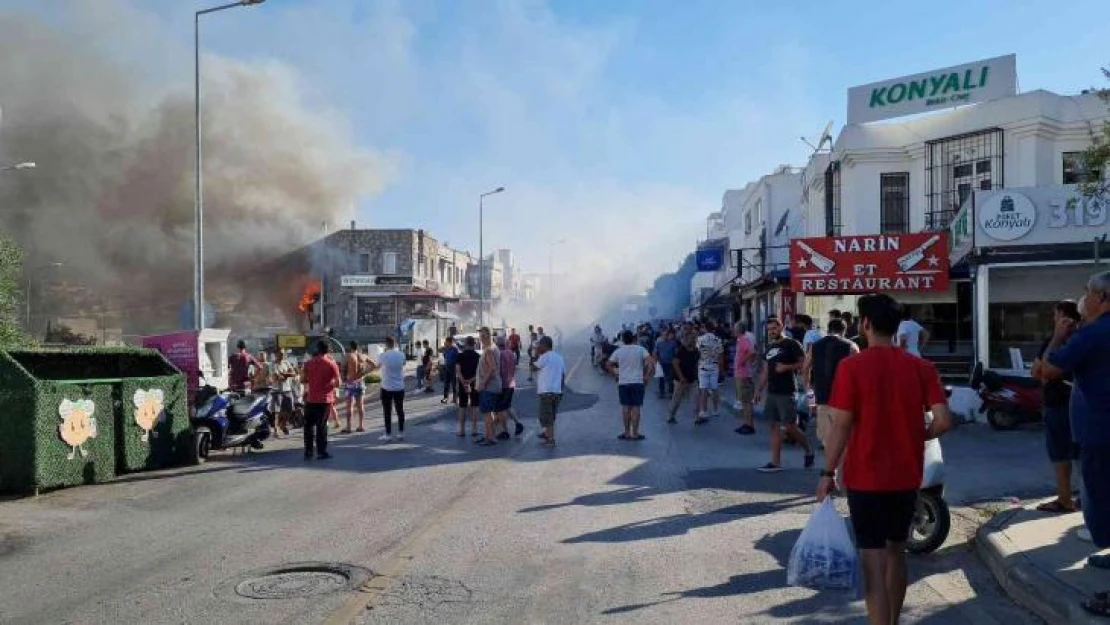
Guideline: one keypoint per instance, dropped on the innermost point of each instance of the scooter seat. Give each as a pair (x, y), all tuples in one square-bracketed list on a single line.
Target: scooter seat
[(240, 408)]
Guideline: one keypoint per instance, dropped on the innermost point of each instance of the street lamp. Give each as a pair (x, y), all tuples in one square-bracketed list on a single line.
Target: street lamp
[(482, 257), (30, 275), (24, 165), (198, 216)]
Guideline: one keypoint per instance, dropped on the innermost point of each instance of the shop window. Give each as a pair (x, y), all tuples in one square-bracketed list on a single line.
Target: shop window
[(954, 167), (832, 199), (364, 263), (389, 263), (1076, 170), (894, 203), (1023, 325), (373, 311)]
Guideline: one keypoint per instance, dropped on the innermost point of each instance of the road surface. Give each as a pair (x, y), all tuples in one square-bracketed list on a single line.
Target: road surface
[(678, 528)]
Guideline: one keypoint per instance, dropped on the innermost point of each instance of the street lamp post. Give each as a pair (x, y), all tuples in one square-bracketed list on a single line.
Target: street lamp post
[(23, 165), (30, 276), (198, 203), (482, 257)]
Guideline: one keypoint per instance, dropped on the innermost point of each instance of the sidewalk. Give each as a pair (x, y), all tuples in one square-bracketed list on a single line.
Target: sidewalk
[(1041, 563)]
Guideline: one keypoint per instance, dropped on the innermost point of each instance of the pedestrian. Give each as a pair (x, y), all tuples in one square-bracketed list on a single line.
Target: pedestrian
[(710, 363), (835, 313), (532, 355), (1086, 355), (466, 374), (514, 345), (321, 376), (450, 379), (819, 372), (1056, 402), (392, 394), (812, 334), (354, 387), (551, 371), (598, 341), (281, 393), (685, 367), (489, 385), (633, 367), (260, 373), (879, 431), (508, 388), (911, 335), (239, 368), (743, 372), (779, 384), (851, 327), (665, 350)]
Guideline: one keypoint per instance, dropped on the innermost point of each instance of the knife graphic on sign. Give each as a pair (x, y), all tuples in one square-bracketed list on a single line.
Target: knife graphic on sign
[(823, 263), (916, 255)]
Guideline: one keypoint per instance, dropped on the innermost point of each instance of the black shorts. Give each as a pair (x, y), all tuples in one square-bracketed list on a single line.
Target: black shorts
[(505, 401), (883, 517), (468, 399)]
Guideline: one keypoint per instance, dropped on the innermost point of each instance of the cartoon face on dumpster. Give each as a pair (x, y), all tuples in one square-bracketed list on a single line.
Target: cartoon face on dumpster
[(149, 410), (78, 425)]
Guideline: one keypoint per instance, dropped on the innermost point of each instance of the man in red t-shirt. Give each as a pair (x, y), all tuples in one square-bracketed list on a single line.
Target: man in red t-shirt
[(878, 404), (321, 376)]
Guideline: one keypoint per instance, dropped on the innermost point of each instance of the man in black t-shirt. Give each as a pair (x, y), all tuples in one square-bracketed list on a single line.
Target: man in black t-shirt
[(820, 369), (685, 365), (466, 372), (778, 382), (1062, 450)]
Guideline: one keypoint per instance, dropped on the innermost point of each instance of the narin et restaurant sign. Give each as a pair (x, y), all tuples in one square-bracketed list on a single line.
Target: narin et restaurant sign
[(881, 263), (943, 88)]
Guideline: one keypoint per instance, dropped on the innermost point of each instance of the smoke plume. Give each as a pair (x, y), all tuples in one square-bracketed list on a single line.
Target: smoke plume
[(112, 197)]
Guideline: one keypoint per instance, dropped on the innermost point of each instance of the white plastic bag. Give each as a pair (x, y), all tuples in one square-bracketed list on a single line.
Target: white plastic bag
[(824, 557), (658, 370)]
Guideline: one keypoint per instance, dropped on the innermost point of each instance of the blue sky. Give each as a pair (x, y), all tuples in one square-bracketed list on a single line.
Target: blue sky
[(616, 124)]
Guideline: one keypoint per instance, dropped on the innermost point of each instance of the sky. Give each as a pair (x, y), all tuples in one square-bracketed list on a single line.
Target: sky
[(615, 125)]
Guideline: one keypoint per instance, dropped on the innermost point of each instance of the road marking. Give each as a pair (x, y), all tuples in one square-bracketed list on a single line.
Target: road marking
[(367, 595)]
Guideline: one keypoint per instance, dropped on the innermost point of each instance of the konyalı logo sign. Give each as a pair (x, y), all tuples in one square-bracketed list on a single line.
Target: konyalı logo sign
[(1007, 216), (934, 90)]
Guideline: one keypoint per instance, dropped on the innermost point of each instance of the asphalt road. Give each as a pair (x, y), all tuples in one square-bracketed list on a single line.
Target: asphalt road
[(678, 528)]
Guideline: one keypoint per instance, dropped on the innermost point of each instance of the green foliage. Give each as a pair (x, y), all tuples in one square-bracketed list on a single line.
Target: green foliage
[(372, 378), (11, 259), (1097, 157)]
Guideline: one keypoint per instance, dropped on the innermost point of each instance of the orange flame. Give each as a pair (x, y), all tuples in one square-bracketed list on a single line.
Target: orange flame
[(310, 296)]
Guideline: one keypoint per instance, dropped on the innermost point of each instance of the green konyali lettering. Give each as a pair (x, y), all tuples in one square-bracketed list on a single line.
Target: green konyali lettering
[(896, 94), (967, 81), (983, 75), (917, 89), (877, 97), (953, 83), (935, 83)]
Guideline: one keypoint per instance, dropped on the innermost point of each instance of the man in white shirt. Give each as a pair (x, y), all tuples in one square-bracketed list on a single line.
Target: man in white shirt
[(911, 336), (392, 365), (633, 366), (551, 372), (711, 359)]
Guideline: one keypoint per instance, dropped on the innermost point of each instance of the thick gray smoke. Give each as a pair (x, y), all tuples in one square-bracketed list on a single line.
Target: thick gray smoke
[(112, 197)]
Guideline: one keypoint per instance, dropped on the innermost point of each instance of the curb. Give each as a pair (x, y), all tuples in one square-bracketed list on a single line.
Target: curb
[(1025, 583)]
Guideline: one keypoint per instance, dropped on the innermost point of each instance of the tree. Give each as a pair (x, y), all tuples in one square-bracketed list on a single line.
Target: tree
[(1097, 157), (11, 259)]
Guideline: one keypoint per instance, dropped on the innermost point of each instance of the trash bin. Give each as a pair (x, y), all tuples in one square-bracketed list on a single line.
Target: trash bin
[(83, 415)]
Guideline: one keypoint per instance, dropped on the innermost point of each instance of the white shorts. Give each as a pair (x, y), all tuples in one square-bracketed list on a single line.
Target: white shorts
[(708, 380)]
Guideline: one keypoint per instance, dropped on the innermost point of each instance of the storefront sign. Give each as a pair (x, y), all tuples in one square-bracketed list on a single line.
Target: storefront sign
[(291, 341), (372, 281), (961, 84), (885, 263), (710, 260), (1038, 216)]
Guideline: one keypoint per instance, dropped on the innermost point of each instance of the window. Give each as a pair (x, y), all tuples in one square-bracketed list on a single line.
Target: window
[(1076, 170), (748, 222), (832, 199), (373, 311), (389, 263), (759, 213), (894, 203), (956, 166), (364, 263)]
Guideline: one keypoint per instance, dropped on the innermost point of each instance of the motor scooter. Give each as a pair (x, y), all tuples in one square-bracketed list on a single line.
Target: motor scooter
[(229, 420), (931, 520), (1008, 400)]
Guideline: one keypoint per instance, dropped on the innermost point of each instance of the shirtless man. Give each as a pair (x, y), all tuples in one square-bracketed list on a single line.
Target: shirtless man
[(357, 366)]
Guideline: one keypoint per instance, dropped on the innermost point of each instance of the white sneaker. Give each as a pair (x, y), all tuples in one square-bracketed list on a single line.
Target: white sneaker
[(401, 437), (385, 437)]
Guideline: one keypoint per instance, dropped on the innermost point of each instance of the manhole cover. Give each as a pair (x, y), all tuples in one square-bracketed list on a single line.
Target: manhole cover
[(295, 581)]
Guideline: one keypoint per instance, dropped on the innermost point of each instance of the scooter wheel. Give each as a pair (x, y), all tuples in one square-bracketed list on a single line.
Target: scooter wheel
[(202, 444), (931, 523), (1002, 420)]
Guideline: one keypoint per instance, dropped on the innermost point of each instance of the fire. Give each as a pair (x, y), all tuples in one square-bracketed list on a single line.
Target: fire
[(310, 296)]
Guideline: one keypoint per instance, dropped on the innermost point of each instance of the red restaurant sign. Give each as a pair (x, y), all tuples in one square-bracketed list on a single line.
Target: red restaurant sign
[(882, 263)]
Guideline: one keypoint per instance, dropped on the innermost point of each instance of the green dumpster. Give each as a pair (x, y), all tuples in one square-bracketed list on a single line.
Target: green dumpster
[(83, 415)]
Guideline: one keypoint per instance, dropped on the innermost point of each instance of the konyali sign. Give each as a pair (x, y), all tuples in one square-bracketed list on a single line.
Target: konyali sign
[(1028, 216), (961, 84)]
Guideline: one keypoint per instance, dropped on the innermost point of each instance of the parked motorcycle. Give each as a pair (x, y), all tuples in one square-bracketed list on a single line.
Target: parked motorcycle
[(931, 520), (1009, 401), (228, 420)]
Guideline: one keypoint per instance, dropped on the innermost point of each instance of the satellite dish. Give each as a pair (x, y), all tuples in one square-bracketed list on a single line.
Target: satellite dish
[(782, 223), (826, 135)]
